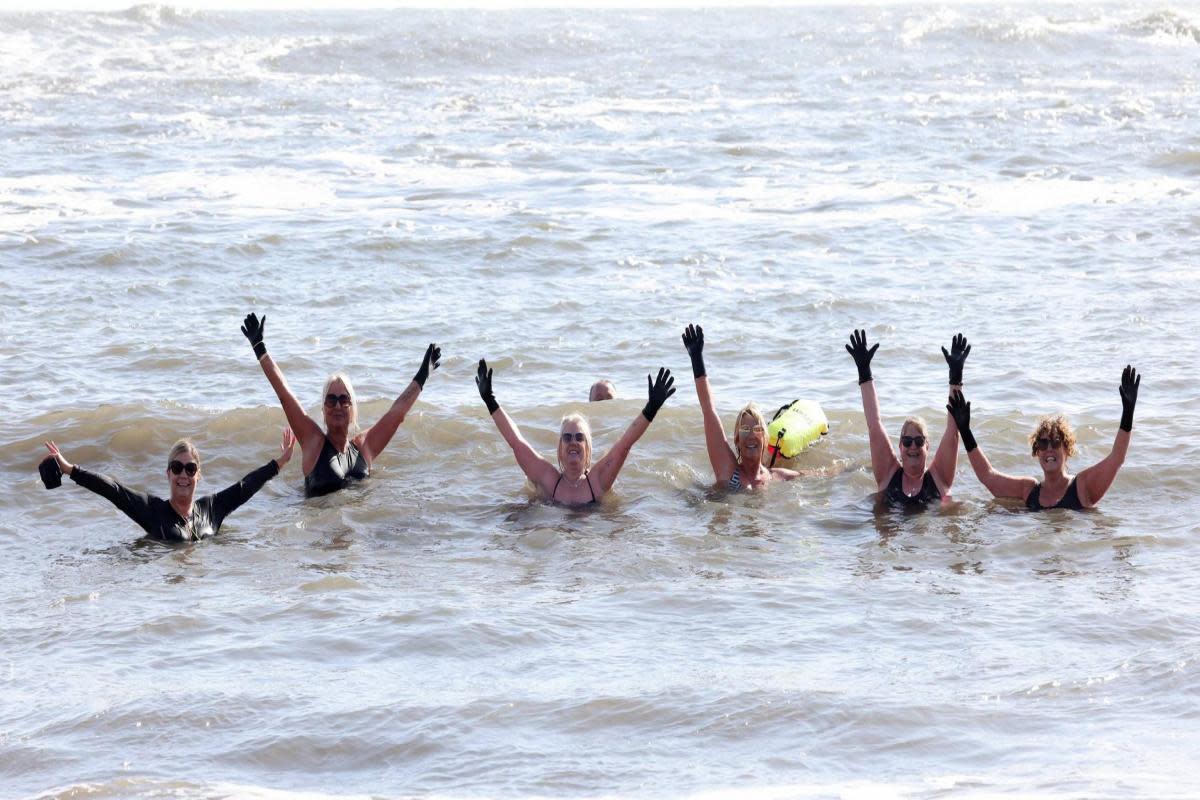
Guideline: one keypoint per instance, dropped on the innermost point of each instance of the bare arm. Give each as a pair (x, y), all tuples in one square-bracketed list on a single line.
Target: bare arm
[(378, 435), (883, 461), (945, 461), (659, 390), (999, 484), (536, 468), (720, 454), (308, 432), (1093, 483)]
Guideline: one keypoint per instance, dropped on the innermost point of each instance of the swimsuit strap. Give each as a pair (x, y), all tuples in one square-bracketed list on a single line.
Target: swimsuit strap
[(586, 477)]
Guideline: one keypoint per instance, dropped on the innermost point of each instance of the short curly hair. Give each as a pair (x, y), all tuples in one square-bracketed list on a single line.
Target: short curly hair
[(1054, 426)]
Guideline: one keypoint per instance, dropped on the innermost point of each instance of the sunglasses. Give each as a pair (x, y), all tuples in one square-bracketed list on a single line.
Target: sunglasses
[(178, 467), (912, 441), (578, 436), (332, 400), (1044, 443), (751, 429)]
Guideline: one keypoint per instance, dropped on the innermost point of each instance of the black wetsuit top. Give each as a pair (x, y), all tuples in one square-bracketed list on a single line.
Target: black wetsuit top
[(1070, 499), (335, 470), (894, 493), (160, 520), (594, 501)]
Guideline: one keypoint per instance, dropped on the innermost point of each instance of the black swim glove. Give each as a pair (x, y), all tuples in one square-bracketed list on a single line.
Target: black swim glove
[(960, 410), (433, 354), (861, 355), (252, 329), (693, 340), (483, 379), (959, 350), (51, 473), (1130, 381), (662, 388)]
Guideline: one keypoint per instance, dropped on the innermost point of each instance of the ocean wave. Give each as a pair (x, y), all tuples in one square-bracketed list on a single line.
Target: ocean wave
[(1165, 24)]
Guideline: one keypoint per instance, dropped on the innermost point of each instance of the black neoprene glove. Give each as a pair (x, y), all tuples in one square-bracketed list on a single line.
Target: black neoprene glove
[(1130, 381), (483, 380), (431, 362), (252, 329), (959, 350), (960, 410), (662, 388), (693, 340), (861, 355)]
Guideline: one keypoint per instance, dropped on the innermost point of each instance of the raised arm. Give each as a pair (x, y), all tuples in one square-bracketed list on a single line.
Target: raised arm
[(606, 468), (308, 432), (135, 505), (228, 499), (377, 437), (720, 454), (945, 460), (999, 484), (540, 471), (1093, 482), (883, 459)]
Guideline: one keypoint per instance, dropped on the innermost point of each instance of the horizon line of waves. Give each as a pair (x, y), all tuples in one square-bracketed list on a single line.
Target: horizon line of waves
[(1055, 28)]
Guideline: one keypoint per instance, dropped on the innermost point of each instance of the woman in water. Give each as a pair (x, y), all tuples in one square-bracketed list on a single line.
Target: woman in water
[(1052, 443), (181, 518), (739, 467), (340, 453), (575, 482), (905, 480)]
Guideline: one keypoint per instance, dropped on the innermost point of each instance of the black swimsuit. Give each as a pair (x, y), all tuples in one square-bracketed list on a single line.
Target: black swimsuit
[(1070, 499), (894, 493), (160, 520), (335, 470), (594, 501)]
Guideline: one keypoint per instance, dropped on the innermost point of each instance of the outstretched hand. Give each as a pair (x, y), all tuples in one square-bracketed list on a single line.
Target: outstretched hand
[(286, 447), (483, 381), (959, 350), (662, 388), (432, 361), (63, 464), (693, 341), (960, 410), (1130, 382), (252, 329), (861, 355)]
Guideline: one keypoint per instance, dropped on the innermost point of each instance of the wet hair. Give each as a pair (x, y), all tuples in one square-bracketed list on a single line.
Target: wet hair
[(602, 390), (181, 447), (581, 421), (750, 408), (919, 424), (1054, 426), (345, 379)]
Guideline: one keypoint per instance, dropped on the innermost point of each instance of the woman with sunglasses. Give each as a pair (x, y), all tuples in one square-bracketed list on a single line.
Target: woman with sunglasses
[(738, 467), (1052, 443), (341, 453), (181, 518), (905, 481), (575, 482)]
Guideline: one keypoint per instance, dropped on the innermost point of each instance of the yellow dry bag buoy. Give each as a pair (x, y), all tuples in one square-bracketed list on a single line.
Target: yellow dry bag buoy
[(794, 427)]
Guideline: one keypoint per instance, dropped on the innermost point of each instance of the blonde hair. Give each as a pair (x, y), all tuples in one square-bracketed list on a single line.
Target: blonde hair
[(345, 380), (918, 423), (581, 421), (181, 447), (750, 408), (1054, 426)]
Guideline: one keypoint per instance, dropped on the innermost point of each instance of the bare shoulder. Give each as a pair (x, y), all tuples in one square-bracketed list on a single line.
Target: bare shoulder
[(781, 474)]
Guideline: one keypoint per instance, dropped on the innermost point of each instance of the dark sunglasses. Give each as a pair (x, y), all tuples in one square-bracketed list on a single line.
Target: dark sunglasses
[(1044, 443), (578, 436), (178, 467), (912, 441), (332, 400)]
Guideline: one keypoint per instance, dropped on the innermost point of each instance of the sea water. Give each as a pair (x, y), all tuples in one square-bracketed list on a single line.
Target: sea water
[(561, 192)]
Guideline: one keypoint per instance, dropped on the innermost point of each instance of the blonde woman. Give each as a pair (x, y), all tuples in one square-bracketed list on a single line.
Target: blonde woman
[(738, 467), (905, 477), (181, 518), (339, 454), (575, 481), (1052, 443)]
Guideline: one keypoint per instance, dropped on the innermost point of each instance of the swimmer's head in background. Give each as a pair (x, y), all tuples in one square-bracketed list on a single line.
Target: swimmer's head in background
[(51, 474), (750, 432), (602, 390), (345, 390), (1053, 431), (571, 426)]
